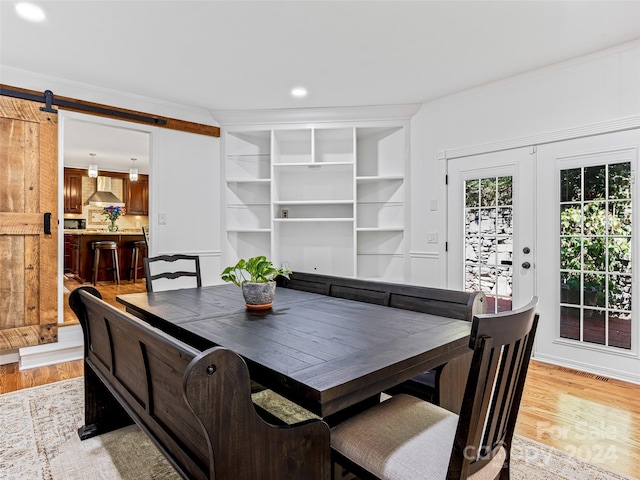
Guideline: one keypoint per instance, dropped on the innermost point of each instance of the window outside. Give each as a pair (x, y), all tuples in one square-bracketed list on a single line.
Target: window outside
[(595, 254)]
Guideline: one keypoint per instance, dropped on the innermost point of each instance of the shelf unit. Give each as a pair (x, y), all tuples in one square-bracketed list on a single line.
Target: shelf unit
[(381, 208), (248, 193), (327, 199)]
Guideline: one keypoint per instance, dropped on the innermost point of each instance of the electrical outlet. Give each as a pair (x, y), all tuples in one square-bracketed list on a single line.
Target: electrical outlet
[(285, 213)]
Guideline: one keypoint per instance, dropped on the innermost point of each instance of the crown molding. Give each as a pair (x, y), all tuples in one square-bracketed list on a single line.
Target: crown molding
[(618, 125), (315, 115)]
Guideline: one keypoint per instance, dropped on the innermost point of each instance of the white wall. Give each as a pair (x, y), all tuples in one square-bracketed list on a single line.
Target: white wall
[(585, 91), (185, 189), (598, 93)]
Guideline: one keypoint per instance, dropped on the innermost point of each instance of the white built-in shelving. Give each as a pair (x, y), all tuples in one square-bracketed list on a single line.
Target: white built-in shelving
[(327, 199), (248, 192)]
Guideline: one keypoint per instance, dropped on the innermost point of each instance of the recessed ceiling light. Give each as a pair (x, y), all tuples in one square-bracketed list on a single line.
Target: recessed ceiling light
[(299, 92), (30, 12)]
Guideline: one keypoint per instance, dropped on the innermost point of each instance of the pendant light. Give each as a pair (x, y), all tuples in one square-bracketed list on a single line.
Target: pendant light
[(93, 167), (133, 171)]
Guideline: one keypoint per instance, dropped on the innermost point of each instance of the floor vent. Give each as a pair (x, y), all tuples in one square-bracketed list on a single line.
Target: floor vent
[(592, 376)]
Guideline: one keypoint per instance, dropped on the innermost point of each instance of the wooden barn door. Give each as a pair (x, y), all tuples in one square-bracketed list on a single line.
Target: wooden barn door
[(28, 248)]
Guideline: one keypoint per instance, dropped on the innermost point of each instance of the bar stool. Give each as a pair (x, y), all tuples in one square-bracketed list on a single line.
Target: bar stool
[(135, 256), (105, 245)]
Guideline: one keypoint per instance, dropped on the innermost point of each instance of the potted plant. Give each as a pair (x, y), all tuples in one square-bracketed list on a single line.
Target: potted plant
[(256, 277)]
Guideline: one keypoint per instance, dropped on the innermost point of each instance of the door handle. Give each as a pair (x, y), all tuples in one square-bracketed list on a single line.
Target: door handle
[(526, 265), (47, 223), (506, 262)]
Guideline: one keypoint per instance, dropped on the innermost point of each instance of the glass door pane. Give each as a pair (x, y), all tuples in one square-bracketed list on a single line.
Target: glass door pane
[(488, 232), (595, 254)]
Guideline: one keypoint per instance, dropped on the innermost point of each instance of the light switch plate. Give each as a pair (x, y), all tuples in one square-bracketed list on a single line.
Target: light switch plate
[(162, 218), (432, 237)]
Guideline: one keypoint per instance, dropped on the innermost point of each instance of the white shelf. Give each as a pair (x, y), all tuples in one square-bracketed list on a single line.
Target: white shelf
[(387, 178), (380, 229), (248, 180), (245, 205), (248, 230), (320, 219), (313, 164), (313, 202), (241, 156)]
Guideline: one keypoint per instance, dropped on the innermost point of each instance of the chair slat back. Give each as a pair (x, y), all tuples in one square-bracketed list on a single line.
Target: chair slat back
[(145, 232), (163, 268), (502, 345)]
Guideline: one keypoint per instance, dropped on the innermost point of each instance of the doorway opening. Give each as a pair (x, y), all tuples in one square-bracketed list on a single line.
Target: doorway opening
[(111, 145)]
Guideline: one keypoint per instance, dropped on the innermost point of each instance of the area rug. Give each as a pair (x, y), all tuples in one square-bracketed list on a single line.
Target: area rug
[(38, 441)]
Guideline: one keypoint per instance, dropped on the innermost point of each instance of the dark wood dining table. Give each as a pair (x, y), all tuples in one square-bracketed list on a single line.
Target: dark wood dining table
[(326, 354)]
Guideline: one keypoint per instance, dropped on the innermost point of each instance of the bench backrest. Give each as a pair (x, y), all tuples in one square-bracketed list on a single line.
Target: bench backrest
[(447, 303), (196, 406)]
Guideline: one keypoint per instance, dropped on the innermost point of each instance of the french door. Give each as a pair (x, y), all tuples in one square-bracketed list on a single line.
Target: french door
[(588, 270), (491, 225)]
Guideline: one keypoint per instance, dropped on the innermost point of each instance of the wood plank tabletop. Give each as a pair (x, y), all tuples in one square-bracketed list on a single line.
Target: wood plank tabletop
[(324, 353)]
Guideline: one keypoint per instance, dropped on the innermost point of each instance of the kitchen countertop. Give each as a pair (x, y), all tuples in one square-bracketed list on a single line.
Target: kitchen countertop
[(102, 232)]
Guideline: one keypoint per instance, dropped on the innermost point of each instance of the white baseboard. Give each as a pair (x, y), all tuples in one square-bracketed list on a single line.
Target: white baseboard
[(9, 356), (70, 346)]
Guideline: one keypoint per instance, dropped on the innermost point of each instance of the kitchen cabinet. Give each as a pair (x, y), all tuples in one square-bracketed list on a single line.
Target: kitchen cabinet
[(71, 253), (72, 190), (137, 196), (327, 199), (67, 253)]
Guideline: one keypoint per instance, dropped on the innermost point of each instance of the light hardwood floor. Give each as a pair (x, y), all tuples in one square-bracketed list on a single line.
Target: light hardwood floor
[(592, 417)]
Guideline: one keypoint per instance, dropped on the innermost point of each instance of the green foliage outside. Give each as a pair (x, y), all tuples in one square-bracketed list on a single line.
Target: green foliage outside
[(596, 233), (488, 192)]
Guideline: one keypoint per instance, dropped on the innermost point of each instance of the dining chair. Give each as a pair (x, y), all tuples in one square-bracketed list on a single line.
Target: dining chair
[(145, 232), (405, 437), (426, 385), (164, 268)]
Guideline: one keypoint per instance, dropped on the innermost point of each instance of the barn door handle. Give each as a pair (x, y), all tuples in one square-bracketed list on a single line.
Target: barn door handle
[(47, 223)]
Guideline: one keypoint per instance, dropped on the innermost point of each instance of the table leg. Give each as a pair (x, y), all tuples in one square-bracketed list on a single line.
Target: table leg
[(453, 380)]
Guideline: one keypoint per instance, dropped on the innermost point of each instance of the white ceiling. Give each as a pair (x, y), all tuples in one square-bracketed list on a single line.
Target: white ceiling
[(241, 55), (114, 147)]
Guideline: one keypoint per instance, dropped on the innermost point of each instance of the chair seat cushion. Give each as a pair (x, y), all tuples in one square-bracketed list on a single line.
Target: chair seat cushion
[(403, 438)]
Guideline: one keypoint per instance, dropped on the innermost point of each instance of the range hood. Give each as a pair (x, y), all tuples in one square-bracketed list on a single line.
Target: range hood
[(103, 197)]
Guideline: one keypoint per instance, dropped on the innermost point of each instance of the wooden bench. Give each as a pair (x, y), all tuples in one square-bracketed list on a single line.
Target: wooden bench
[(431, 385), (447, 303), (195, 406)]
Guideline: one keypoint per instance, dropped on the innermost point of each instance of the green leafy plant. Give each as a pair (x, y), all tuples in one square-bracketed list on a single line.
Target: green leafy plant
[(254, 270)]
